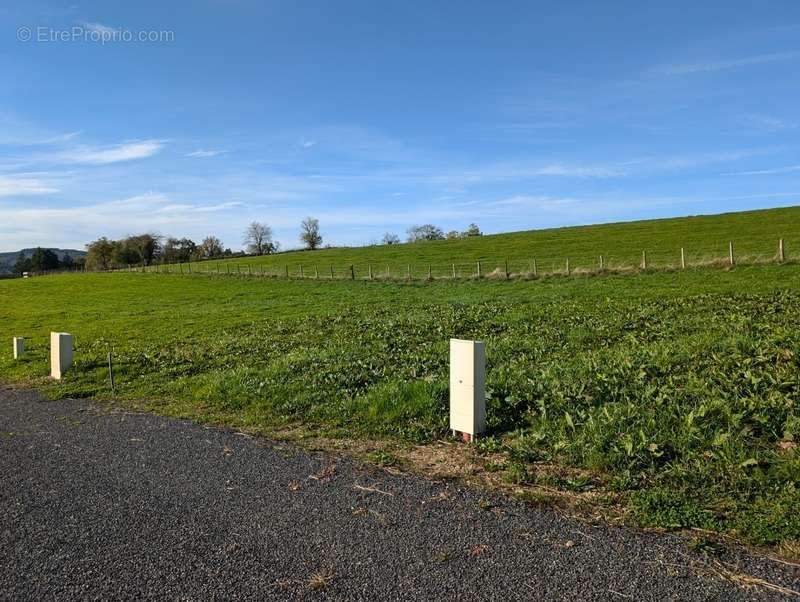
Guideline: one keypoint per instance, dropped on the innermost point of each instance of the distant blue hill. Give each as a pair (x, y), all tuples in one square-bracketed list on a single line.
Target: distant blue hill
[(8, 259)]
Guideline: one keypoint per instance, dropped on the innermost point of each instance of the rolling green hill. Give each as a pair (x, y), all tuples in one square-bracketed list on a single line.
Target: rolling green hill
[(755, 236), (674, 395)]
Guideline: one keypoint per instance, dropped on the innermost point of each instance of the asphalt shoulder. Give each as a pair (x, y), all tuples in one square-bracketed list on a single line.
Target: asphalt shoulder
[(98, 504)]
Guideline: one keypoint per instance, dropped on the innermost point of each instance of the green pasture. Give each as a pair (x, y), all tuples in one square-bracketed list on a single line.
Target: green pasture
[(677, 390), (705, 239)]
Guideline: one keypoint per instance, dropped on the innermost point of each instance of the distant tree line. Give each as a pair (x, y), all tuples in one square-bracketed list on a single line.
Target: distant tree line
[(149, 248), (431, 232), (45, 260)]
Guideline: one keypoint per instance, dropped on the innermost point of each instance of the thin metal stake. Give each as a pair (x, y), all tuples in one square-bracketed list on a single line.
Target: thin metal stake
[(111, 373)]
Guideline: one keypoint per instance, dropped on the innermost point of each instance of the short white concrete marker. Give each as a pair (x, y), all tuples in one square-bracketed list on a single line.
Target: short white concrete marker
[(60, 353), (19, 347), (467, 388)]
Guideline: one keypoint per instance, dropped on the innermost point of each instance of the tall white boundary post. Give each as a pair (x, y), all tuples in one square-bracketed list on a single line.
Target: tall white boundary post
[(60, 353), (467, 388), (19, 347)]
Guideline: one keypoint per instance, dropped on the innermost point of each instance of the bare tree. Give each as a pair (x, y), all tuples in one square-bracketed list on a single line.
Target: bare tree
[(390, 239), (258, 238), (210, 247), (309, 233), (424, 232)]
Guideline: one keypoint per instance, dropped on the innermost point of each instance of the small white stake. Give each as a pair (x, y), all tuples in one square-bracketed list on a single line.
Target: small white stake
[(60, 353), (19, 347), (467, 388)]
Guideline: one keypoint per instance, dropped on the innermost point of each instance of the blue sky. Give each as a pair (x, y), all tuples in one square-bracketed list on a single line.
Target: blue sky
[(373, 116)]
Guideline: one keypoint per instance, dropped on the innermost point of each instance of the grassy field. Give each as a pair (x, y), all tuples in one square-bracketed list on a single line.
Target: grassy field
[(675, 393), (755, 235)]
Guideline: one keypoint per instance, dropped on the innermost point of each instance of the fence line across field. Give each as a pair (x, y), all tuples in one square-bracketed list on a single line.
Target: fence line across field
[(496, 269), (533, 267)]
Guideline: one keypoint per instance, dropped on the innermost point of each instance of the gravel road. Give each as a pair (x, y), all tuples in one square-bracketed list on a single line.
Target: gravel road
[(105, 504)]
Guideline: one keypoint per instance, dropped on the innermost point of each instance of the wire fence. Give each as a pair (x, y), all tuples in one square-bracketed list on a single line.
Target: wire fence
[(503, 269), (497, 269)]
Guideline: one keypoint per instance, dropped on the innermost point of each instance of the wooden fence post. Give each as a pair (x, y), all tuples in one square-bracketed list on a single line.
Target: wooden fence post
[(332, 276), (408, 272), (683, 259), (644, 260), (506, 267), (352, 273), (479, 269), (454, 271), (730, 252), (430, 276), (369, 271), (781, 255), (388, 273), (535, 271), (302, 275), (316, 273), (567, 266), (602, 266)]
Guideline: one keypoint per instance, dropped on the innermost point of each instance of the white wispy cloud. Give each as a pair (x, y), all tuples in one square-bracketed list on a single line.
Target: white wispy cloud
[(127, 151), (764, 172), (100, 29), (177, 207), (518, 170), (18, 131), (720, 65), (59, 138), (74, 226), (523, 170), (37, 139), (768, 122), (203, 153), (657, 164), (578, 171), (529, 201), (526, 127), (24, 185)]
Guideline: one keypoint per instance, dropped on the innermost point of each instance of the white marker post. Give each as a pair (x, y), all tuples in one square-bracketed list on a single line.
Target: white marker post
[(60, 353), (467, 388), (19, 347)]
